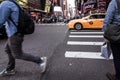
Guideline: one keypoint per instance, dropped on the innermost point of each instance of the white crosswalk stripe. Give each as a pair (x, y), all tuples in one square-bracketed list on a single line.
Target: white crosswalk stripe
[(79, 54), (86, 35), (86, 32), (83, 43)]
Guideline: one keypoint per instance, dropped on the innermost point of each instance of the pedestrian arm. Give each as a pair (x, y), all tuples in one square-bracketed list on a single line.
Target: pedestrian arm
[(109, 14), (4, 14)]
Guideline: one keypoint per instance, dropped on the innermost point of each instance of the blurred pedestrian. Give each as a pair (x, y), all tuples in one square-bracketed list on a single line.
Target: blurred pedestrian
[(13, 46), (113, 17)]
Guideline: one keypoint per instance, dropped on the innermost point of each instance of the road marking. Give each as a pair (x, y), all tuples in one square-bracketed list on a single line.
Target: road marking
[(83, 43), (86, 32), (91, 55), (85, 36)]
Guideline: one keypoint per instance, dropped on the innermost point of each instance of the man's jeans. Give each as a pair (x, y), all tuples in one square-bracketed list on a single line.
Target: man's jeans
[(14, 50), (116, 55)]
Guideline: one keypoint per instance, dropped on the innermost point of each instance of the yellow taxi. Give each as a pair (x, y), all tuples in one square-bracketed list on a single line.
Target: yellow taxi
[(93, 21)]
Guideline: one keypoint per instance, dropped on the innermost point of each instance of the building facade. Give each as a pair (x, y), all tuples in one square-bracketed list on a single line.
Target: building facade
[(88, 6), (35, 4)]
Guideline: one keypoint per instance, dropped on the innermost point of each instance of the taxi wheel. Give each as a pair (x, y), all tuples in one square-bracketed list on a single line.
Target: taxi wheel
[(78, 26)]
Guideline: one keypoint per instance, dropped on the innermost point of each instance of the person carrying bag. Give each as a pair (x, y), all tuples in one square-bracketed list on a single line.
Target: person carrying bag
[(111, 29)]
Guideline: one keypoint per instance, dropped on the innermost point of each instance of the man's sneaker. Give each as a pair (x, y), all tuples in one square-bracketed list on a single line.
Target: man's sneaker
[(111, 76), (7, 73), (43, 65)]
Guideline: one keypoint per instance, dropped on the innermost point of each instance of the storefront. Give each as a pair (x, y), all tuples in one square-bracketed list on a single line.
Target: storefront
[(90, 5), (95, 6), (102, 6)]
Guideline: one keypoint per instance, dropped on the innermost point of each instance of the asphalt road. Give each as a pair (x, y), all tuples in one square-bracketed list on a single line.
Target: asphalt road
[(78, 58), (42, 43), (73, 55)]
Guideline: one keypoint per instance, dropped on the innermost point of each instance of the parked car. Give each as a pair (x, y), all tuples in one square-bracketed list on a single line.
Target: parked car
[(60, 18), (2, 31), (93, 21), (48, 19)]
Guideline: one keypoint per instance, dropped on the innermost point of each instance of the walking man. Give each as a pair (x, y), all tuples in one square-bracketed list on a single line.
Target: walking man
[(113, 17), (13, 45)]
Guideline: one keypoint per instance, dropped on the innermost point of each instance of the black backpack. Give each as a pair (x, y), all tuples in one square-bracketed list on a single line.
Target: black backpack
[(26, 24)]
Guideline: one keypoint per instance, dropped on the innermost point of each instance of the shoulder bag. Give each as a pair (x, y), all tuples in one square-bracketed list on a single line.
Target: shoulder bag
[(112, 32)]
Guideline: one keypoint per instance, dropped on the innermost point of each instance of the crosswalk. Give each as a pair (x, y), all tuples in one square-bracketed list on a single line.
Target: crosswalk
[(85, 44)]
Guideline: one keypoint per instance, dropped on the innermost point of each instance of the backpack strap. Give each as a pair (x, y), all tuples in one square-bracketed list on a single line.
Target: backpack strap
[(13, 21), (118, 5)]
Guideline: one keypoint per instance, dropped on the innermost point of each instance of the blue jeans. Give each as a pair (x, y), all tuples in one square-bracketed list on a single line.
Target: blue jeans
[(14, 50), (116, 57)]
